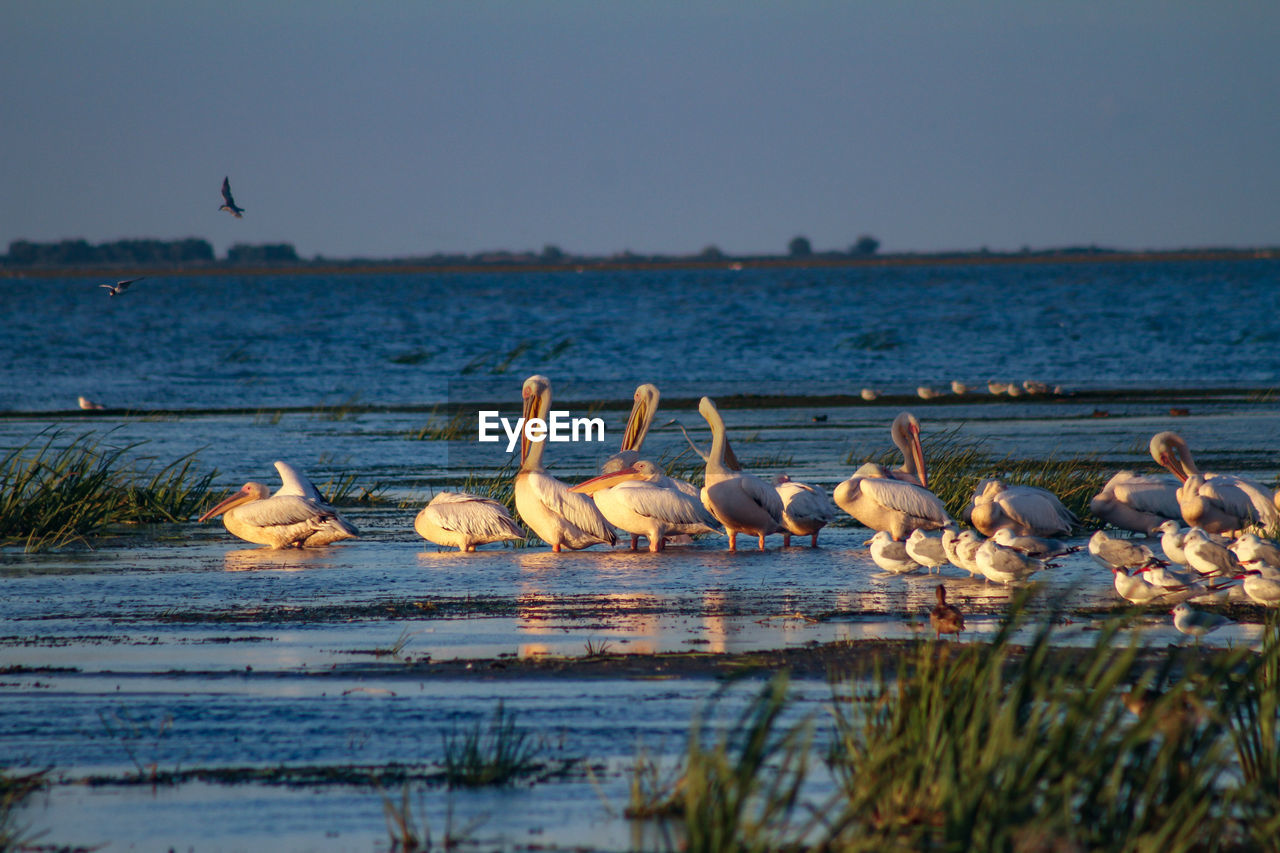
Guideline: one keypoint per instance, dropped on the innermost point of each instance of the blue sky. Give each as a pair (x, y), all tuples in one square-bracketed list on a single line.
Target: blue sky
[(390, 129)]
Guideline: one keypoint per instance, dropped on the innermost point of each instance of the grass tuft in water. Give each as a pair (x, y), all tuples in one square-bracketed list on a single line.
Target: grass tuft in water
[(497, 754), (55, 491), (14, 789)]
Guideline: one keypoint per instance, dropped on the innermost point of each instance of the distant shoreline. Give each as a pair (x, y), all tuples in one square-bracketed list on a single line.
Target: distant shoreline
[(583, 265)]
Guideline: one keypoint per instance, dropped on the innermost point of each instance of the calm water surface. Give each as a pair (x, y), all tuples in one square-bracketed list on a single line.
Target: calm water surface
[(133, 687)]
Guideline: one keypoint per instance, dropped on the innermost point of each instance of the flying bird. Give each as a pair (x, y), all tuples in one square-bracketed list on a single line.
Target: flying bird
[(229, 203), (120, 286)]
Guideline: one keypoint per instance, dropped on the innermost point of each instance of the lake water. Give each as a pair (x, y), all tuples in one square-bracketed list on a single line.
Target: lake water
[(175, 646)]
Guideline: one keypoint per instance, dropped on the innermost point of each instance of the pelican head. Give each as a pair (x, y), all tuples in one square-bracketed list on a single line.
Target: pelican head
[(536, 396), (248, 493), (1170, 451), (641, 470), (644, 407)]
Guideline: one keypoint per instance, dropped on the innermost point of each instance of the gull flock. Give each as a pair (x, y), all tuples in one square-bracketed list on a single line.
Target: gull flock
[(1209, 527)]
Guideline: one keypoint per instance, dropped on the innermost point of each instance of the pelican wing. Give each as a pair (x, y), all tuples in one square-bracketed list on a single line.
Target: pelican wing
[(907, 498), (764, 495), (473, 515), (1155, 495), (576, 509), (294, 482), (281, 510), (1238, 497), (804, 501), (1040, 512), (670, 506)]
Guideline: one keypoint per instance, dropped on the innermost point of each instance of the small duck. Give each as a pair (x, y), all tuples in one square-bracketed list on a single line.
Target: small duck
[(945, 618)]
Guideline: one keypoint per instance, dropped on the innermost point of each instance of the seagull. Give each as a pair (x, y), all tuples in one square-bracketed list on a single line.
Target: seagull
[(943, 618), (229, 203), (86, 403), (927, 550), (891, 554), (1197, 623), (120, 286)]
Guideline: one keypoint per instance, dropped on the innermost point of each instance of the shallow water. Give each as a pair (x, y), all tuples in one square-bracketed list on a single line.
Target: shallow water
[(258, 658)]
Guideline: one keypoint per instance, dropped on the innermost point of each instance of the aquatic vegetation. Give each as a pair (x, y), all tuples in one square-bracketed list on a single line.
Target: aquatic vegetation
[(14, 789), (497, 754), (54, 492), (461, 425), (1000, 746), (343, 490)]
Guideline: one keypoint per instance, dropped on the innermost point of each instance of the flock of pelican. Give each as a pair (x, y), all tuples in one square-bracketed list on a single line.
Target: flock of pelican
[(1012, 535)]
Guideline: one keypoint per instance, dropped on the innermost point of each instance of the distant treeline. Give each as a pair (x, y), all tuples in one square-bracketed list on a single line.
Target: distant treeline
[(188, 251)]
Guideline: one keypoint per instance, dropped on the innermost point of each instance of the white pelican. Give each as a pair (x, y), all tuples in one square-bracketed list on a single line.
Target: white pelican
[(1026, 510), (228, 203), (1005, 565), (739, 501), (890, 554), (285, 519), (1137, 502), (897, 501), (644, 406), (1197, 623), (943, 618), (805, 509), (643, 501), (1218, 503), (120, 286), (462, 520), (560, 517)]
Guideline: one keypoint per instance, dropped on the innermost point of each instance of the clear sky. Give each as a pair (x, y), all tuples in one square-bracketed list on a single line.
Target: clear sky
[(391, 129)]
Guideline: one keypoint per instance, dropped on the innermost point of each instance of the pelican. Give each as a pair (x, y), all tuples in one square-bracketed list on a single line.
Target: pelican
[(890, 554), (561, 518), (90, 405), (1197, 623), (286, 519), (1137, 502), (739, 501), (897, 501), (1218, 503), (643, 501), (120, 286), (1026, 510), (943, 618), (462, 520), (643, 407), (228, 203), (805, 509)]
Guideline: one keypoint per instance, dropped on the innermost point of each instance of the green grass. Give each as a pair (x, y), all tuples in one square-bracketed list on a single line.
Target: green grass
[(499, 753), (1000, 746), (55, 491)]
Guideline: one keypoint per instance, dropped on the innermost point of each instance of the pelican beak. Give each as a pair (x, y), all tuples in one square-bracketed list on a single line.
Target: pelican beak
[(604, 481), (638, 416), (918, 452), (1174, 464), (234, 500), (529, 412)]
